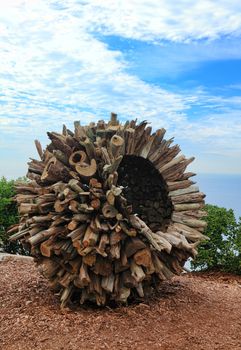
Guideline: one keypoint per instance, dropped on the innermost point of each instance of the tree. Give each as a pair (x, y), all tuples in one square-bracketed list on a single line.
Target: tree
[(223, 250)]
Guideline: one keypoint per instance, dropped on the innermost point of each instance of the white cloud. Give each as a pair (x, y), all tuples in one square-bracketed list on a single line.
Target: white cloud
[(54, 69), (219, 122), (51, 64), (181, 20)]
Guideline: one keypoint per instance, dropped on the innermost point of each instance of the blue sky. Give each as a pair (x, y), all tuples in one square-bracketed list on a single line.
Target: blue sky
[(176, 64)]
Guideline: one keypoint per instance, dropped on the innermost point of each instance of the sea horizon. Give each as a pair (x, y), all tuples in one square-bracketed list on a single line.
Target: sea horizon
[(223, 190)]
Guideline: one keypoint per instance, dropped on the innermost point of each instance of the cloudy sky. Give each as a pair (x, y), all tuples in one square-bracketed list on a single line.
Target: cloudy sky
[(175, 63)]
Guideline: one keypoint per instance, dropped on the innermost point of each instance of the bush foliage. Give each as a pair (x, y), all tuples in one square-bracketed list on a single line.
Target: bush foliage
[(223, 250), (8, 216)]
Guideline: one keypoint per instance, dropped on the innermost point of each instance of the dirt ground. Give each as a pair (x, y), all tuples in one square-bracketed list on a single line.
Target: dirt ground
[(197, 311)]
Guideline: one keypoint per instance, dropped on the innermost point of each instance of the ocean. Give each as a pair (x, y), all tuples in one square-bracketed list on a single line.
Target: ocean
[(222, 190)]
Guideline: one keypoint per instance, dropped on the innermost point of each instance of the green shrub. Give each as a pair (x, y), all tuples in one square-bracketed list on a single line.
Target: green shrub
[(8, 216), (223, 250)]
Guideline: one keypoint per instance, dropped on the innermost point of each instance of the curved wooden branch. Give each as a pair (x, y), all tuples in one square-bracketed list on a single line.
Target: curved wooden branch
[(87, 170)]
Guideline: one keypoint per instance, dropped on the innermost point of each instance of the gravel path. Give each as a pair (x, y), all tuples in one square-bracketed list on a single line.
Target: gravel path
[(190, 312)]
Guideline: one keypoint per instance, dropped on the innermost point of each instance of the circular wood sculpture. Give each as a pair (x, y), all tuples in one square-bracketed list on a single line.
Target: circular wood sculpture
[(109, 211)]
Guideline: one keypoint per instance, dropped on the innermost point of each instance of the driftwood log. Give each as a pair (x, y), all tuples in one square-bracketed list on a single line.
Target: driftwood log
[(109, 211)]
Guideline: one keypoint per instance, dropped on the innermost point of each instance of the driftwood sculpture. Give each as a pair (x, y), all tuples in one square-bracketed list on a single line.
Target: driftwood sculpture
[(109, 211)]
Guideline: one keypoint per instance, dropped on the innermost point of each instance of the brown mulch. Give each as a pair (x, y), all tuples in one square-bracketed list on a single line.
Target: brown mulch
[(194, 311)]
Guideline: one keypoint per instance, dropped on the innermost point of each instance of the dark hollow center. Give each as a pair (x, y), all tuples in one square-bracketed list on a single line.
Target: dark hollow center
[(76, 158), (146, 190)]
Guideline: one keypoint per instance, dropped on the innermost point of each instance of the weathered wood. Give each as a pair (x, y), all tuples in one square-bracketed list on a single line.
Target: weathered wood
[(116, 145), (95, 203), (116, 237), (78, 232), (175, 171), (166, 156), (107, 283), (90, 237), (89, 147), (157, 242), (114, 166), (130, 231), (110, 197), (176, 185), (179, 241), (58, 143), (190, 189), (109, 210), (46, 248), (137, 272), (66, 279), (66, 294), (81, 217), (172, 163), (113, 120), (83, 275), (18, 235), (72, 225), (140, 291), (75, 185), (186, 176), (102, 267), (61, 157), (36, 167), (188, 206), (54, 171), (96, 282), (86, 170), (189, 222), (188, 198), (143, 257), (79, 132), (158, 137), (27, 208), (89, 259), (43, 235), (195, 213), (39, 148), (132, 245), (104, 240), (128, 280), (190, 233), (115, 251), (123, 294), (146, 149), (162, 271), (48, 267), (75, 264)]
